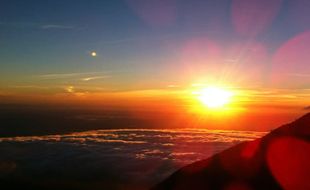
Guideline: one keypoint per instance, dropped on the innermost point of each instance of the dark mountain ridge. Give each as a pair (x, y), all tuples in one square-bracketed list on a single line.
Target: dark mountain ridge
[(278, 160)]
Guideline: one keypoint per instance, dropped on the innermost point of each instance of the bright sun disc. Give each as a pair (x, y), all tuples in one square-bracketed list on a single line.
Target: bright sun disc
[(214, 97)]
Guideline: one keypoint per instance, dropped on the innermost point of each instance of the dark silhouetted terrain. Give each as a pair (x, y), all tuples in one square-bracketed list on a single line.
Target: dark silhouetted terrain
[(29, 120), (279, 160)]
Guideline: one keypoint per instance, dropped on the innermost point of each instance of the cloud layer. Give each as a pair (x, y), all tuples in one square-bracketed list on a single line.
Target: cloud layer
[(115, 159)]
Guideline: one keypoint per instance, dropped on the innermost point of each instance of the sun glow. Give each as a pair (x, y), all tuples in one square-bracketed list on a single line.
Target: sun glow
[(214, 97)]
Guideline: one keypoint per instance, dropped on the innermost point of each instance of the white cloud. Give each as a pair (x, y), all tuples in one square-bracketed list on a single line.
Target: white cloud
[(95, 78), (66, 75)]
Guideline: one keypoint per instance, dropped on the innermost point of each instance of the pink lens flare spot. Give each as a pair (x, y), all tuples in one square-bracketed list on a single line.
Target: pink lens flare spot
[(288, 160)]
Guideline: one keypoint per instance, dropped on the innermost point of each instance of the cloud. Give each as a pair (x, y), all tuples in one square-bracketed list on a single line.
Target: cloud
[(173, 86), (300, 75), (231, 60), (70, 89), (53, 76), (55, 26), (95, 78), (30, 86), (35, 25), (127, 156)]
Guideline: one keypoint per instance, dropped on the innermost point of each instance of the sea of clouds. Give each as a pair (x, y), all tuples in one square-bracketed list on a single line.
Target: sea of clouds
[(113, 159)]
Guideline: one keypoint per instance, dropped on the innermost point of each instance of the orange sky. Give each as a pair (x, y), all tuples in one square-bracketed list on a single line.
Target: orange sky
[(249, 109)]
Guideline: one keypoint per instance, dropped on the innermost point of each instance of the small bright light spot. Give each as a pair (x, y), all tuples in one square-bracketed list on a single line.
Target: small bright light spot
[(93, 54), (214, 97), (70, 89)]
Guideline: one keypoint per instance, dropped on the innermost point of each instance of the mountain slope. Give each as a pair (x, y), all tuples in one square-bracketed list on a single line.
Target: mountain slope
[(279, 160)]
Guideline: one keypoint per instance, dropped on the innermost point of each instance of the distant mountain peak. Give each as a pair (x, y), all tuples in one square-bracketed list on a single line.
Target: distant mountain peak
[(299, 128), (305, 119)]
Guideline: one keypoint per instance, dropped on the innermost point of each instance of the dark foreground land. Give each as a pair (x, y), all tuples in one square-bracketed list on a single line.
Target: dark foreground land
[(279, 160), (31, 120)]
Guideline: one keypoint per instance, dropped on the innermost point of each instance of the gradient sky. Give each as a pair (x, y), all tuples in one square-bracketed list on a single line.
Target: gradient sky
[(257, 46)]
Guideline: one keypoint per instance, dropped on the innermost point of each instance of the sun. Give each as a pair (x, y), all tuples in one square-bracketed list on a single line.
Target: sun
[(214, 97)]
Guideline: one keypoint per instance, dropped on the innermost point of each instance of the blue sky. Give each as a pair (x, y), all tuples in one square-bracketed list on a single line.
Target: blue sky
[(136, 41)]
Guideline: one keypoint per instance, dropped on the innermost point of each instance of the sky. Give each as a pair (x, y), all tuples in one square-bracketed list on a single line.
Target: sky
[(115, 51)]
